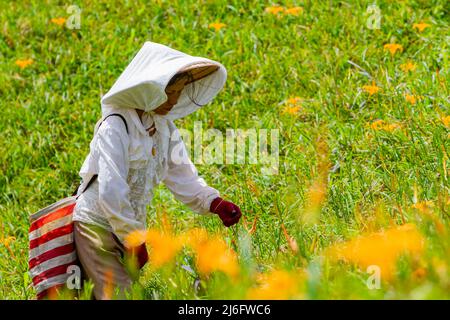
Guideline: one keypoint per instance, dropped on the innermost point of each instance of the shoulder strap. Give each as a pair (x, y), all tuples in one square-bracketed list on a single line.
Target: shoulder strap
[(96, 175), (116, 114)]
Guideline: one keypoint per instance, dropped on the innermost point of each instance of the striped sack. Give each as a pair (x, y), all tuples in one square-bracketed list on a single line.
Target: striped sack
[(52, 248)]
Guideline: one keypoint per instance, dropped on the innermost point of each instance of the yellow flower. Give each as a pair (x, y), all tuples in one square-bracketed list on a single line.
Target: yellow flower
[(212, 253), (135, 238), (391, 127), (164, 247), (295, 11), (58, 21), (274, 10), (292, 110), (217, 25), (423, 206), (378, 125), (446, 121), (293, 100), (195, 236), (409, 66), (292, 106), (275, 285), (371, 89), (24, 63), (420, 26), (393, 47), (411, 98), (6, 241), (380, 249)]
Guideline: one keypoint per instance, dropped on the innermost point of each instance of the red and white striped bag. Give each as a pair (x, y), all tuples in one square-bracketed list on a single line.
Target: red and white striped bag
[(52, 248)]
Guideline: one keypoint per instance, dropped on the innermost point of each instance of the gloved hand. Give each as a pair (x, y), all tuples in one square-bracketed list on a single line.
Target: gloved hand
[(138, 253), (228, 212)]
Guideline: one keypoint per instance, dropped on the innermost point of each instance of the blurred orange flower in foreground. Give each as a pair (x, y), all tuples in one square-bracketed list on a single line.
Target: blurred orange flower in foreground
[(217, 25), (135, 238), (393, 47), (409, 66), (212, 253), (58, 21), (420, 26), (24, 63), (371, 89), (381, 249), (164, 247), (275, 285), (423, 206)]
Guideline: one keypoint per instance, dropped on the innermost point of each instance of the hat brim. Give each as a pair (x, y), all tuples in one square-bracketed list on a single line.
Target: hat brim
[(199, 70)]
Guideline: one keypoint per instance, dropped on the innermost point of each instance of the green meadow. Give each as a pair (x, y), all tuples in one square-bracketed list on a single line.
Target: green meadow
[(358, 91)]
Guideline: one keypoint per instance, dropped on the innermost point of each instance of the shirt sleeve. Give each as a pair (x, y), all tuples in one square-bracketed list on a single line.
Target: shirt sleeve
[(112, 144), (183, 181)]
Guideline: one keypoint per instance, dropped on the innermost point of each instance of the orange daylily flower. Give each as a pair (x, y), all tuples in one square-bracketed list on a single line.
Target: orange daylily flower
[(24, 63), (409, 66), (292, 106), (135, 238), (446, 121), (292, 110), (294, 100), (58, 21), (391, 127), (295, 11), (274, 10), (420, 26), (212, 253), (411, 98), (276, 285), (423, 206), (164, 247), (382, 125), (381, 249), (6, 241), (217, 25), (393, 47), (371, 89)]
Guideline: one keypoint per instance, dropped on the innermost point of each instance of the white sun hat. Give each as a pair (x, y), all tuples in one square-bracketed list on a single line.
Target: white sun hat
[(142, 84)]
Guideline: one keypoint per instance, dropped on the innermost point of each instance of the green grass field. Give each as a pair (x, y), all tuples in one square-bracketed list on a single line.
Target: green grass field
[(363, 139)]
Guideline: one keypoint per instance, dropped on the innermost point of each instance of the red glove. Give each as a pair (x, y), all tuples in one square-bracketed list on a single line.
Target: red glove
[(139, 252), (228, 212)]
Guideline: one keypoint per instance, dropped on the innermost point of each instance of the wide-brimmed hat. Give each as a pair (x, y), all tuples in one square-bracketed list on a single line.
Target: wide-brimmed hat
[(142, 84), (197, 70)]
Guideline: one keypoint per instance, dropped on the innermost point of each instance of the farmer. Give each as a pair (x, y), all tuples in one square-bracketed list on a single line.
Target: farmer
[(131, 158)]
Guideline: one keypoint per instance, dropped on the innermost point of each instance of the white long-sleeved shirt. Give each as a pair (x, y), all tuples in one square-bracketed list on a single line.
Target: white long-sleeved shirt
[(128, 172)]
